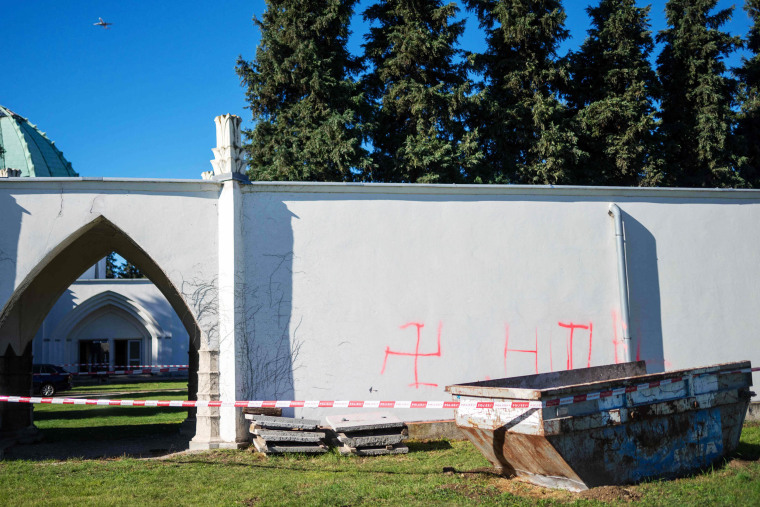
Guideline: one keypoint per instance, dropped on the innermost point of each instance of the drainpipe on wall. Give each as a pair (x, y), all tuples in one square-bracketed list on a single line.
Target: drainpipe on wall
[(617, 216)]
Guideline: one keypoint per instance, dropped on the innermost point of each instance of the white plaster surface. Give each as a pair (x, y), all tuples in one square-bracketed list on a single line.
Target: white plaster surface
[(174, 222), (353, 272), (331, 283)]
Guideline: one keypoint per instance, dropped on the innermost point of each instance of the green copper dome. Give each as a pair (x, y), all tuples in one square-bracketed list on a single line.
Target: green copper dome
[(27, 149)]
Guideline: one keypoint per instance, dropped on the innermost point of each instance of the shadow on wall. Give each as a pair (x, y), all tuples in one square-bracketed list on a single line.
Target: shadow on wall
[(644, 295), (268, 355), (15, 360), (47, 347)]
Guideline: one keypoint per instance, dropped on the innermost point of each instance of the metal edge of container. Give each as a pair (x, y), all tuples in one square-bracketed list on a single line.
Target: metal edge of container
[(546, 446)]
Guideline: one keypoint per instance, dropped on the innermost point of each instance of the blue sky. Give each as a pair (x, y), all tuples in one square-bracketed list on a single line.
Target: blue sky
[(138, 100)]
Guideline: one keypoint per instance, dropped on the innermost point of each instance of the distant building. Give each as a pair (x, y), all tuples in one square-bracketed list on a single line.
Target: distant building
[(28, 150), (118, 322)]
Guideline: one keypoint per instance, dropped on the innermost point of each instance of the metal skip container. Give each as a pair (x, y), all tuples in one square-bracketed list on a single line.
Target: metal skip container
[(606, 425)]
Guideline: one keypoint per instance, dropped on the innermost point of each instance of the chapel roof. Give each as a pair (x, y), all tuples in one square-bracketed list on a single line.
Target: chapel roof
[(28, 149)]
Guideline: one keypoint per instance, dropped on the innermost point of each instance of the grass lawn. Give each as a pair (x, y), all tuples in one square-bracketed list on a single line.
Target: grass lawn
[(82, 422), (130, 386), (246, 478)]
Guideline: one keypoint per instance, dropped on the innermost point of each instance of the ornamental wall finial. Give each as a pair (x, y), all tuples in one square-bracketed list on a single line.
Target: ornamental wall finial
[(228, 154), (10, 173)]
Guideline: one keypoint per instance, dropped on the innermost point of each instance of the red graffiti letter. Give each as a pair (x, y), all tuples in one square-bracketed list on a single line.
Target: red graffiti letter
[(572, 327), (507, 349)]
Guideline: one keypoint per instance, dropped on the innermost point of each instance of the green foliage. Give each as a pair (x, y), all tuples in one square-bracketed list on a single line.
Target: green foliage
[(117, 269), (525, 131), (302, 95), (747, 132), (588, 119), (696, 97), (419, 94), (611, 92), (129, 270), (112, 265)]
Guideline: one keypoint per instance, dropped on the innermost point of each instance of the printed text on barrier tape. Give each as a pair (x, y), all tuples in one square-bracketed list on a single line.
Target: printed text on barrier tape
[(363, 403), (278, 403), (128, 365), (114, 372)]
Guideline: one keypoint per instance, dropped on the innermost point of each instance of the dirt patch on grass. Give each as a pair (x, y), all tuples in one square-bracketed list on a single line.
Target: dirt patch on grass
[(611, 494), (518, 487), (738, 464), (471, 492)]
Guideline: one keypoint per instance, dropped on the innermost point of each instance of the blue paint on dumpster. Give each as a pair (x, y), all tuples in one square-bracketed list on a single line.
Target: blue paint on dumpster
[(698, 446), (642, 426)]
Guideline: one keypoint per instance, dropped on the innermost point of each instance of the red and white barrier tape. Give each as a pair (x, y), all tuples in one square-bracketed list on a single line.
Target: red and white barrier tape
[(629, 389), (251, 404), (128, 365), (467, 403), (114, 372)]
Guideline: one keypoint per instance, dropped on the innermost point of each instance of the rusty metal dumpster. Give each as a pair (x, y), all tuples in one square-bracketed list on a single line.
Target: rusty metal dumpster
[(606, 425)]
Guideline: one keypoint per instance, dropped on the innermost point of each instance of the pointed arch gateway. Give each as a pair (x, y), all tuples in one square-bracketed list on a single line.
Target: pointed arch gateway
[(34, 297)]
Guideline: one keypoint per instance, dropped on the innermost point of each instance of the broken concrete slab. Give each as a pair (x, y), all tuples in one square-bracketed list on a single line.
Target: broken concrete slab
[(368, 434), (282, 423), (284, 448), (287, 436), (370, 451), (364, 421), (374, 438), (279, 435)]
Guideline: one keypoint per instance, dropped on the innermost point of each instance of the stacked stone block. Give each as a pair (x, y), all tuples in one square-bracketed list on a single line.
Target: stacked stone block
[(281, 435), (369, 434)]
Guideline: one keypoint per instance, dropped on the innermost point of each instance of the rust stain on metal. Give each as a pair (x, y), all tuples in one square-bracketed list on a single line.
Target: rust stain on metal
[(660, 431)]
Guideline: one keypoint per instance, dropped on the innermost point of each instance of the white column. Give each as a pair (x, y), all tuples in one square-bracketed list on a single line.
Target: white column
[(231, 274), (228, 169)]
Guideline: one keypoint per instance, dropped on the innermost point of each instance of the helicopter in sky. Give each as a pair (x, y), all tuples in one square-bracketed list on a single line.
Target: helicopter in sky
[(102, 23)]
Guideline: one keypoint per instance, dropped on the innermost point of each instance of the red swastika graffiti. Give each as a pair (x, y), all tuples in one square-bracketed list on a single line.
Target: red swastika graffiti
[(416, 354)]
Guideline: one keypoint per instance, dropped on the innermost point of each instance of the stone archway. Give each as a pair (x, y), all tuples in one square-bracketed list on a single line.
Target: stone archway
[(37, 293)]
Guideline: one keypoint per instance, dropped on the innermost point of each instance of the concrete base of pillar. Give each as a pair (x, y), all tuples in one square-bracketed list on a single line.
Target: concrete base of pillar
[(234, 445), (206, 421), (204, 445)]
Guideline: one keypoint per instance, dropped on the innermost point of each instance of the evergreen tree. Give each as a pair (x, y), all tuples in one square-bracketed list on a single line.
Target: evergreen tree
[(696, 96), (419, 92), (129, 270), (748, 127), (124, 269), (524, 129), (611, 92), (302, 94), (112, 266)]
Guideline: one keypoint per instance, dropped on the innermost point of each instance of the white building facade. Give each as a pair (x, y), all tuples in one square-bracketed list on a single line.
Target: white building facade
[(387, 292), (109, 324)]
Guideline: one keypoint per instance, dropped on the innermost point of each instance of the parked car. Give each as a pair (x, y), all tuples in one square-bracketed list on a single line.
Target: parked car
[(48, 379)]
